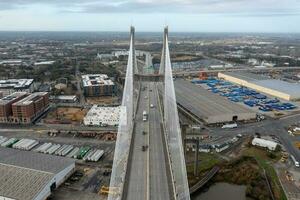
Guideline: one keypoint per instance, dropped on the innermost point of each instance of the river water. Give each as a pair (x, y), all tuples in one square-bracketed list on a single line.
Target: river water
[(222, 191)]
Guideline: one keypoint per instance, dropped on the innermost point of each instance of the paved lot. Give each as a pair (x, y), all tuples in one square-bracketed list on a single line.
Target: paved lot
[(212, 108)]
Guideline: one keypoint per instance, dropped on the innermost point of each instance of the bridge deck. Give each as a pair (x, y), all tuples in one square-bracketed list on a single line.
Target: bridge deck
[(147, 171)]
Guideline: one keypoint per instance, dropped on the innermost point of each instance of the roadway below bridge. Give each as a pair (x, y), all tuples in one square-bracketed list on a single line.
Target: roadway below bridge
[(148, 172), (276, 127)]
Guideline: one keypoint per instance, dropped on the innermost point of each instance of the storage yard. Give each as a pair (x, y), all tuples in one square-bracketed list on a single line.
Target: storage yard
[(251, 98), (277, 88), (87, 147), (28, 175), (85, 153), (210, 107)]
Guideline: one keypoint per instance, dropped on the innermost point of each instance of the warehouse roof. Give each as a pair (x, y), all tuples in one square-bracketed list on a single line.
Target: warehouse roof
[(292, 89), (204, 103), (264, 142), (24, 174), (22, 183), (247, 76), (33, 160)]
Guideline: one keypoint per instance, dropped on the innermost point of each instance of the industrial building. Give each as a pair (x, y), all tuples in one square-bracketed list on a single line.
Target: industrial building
[(6, 105), (277, 88), (10, 86), (209, 107), (30, 107), (26, 175), (102, 116), (264, 143), (95, 85)]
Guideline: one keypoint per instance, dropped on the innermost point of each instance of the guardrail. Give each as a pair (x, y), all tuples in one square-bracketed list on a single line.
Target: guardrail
[(204, 180)]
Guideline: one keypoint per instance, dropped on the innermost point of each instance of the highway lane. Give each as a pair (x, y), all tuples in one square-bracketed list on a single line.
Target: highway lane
[(137, 188), (159, 189)]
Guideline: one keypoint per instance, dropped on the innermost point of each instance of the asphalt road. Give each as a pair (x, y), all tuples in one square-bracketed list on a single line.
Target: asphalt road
[(137, 188), (275, 127), (159, 189)]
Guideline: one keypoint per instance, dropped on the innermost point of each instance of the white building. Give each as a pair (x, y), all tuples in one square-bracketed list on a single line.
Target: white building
[(277, 88), (264, 143), (102, 116), (10, 86), (65, 98), (221, 147)]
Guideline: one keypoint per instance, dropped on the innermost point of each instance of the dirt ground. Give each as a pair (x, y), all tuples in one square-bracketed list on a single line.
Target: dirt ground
[(102, 100), (66, 115)]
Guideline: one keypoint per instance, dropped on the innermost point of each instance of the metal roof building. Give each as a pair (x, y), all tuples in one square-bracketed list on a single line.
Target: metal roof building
[(208, 106), (28, 175), (10, 86), (274, 87), (264, 143)]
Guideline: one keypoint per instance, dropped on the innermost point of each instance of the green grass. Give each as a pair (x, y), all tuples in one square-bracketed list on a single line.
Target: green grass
[(206, 162), (264, 162)]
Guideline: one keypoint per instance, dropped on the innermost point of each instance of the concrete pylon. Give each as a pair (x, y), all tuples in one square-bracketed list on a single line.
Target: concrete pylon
[(132, 38), (163, 55)]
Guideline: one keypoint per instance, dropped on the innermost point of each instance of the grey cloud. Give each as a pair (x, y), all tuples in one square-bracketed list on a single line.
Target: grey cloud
[(245, 8)]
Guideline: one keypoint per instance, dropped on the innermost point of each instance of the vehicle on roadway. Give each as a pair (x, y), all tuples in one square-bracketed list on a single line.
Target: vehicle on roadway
[(144, 147), (145, 115), (295, 161), (151, 106), (234, 125)]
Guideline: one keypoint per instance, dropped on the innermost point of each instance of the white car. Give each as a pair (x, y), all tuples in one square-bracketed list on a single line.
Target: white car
[(151, 106), (234, 125)]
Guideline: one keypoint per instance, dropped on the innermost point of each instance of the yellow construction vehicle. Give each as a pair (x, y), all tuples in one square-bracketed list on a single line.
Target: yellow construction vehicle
[(284, 157), (108, 190), (277, 113), (297, 144)]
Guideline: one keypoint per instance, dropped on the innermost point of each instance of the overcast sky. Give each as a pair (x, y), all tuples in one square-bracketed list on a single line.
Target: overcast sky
[(151, 15)]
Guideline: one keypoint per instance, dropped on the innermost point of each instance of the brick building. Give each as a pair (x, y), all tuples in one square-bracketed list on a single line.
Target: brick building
[(30, 107), (6, 105), (95, 85)]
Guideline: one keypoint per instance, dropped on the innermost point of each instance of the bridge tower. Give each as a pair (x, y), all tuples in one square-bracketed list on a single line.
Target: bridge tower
[(125, 127), (172, 127)]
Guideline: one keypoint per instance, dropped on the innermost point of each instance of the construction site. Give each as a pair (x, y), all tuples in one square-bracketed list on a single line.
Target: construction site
[(65, 115)]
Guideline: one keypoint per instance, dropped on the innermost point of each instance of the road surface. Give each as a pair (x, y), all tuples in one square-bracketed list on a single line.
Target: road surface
[(137, 188), (158, 171)]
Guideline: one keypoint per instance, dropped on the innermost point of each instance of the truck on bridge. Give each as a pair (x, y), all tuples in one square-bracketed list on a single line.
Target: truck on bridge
[(145, 116)]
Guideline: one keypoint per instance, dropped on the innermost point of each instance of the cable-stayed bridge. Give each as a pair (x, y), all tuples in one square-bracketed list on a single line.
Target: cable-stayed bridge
[(149, 158)]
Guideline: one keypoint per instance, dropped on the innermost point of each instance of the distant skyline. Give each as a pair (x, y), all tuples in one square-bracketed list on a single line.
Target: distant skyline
[(151, 15)]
